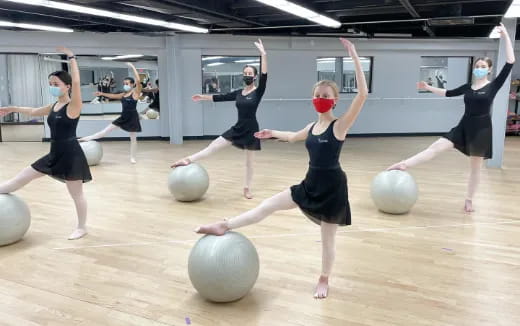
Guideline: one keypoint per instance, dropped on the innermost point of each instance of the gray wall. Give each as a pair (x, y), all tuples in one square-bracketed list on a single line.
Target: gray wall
[(394, 106)]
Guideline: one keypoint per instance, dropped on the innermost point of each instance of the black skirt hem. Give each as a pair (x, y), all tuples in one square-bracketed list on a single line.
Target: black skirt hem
[(60, 177)]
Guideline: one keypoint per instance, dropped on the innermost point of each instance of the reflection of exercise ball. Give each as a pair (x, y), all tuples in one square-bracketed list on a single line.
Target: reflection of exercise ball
[(15, 219), (93, 152), (152, 114), (188, 183), (394, 192), (223, 268)]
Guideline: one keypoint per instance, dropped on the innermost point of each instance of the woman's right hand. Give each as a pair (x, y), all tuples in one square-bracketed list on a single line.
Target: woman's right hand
[(422, 85), (98, 94), (197, 98), (5, 111), (264, 134)]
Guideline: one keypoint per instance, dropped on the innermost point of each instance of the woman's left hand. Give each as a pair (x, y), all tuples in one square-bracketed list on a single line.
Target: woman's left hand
[(65, 51), (260, 46), (501, 30), (349, 46)]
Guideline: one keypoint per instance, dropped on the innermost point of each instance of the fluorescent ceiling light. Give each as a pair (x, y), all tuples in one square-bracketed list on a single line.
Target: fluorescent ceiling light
[(215, 64), (246, 60), (514, 10), (121, 57), (300, 11), (36, 27), (211, 58), (110, 14)]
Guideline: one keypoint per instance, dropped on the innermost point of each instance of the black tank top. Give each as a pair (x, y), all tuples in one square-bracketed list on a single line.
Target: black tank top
[(129, 104), (324, 149), (62, 127)]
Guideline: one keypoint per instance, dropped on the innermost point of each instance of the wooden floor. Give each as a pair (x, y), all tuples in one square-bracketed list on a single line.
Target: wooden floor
[(433, 266)]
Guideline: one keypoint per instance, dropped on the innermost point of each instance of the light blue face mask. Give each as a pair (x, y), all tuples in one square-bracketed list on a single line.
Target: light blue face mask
[(480, 72), (127, 88), (55, 91)]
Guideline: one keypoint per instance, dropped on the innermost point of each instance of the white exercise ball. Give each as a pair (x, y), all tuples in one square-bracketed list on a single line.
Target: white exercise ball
[(188, 183), (223, 268), (15, 219), (152, 114), (93, 152), (394, 192)]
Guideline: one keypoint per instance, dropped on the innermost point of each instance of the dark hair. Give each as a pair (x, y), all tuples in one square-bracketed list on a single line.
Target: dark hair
[(486, 59), (255, 71), (130, 79), (157, 82), (63, 76)]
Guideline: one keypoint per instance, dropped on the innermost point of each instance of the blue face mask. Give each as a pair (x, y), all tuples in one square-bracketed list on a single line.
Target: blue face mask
[(55, 91), (127, 88), (480, 72)]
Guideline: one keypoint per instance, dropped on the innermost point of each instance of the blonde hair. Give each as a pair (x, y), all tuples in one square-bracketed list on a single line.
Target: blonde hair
[(328, 83)]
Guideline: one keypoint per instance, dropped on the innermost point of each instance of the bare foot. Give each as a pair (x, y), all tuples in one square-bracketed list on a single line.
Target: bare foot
[(247, 193), (78, 234), (218, 228), (183, 162), (398, 166), (468, 206), (322, 289), (132, 160)]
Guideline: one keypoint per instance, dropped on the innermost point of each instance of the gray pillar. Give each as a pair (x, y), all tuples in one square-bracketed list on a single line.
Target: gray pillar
[(171, 91), (501, 103)]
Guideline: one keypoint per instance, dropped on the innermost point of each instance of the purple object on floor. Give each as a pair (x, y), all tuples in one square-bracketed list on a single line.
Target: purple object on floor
[(188, 321), (448, 249)]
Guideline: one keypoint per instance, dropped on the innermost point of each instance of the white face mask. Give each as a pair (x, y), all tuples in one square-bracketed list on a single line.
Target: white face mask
[(127, 88)]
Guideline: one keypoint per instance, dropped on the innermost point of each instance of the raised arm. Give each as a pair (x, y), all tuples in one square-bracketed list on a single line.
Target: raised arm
[(287, 136), (263, 77), (76, 103), (347, 120), (138, 86)]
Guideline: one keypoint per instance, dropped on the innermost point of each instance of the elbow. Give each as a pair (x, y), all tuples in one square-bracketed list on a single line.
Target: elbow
[(363, 94)]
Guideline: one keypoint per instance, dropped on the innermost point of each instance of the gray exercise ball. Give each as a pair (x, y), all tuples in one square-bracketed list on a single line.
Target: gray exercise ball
[(93, 152), (394, 192), (152, 114), (15, 219), (188, 183), (223, 268)]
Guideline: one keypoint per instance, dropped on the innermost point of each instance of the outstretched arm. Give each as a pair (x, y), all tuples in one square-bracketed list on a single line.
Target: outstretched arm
[(347, 120), (35, 112), (110, 95), (138, 86), (287, 136)]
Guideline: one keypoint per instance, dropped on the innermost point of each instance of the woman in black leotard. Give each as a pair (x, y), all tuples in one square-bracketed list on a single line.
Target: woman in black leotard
[(322, 196), (66, 161), (473, 135), (241, 135), (129, 119)]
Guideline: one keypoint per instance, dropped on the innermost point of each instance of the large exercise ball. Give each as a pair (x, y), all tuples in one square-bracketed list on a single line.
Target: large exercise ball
[(188, 183), (223, 268), (152, 114), (394, 192), (93, 152), (15, 219)]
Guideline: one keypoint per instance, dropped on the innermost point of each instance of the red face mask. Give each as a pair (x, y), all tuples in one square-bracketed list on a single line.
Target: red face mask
[(323, 105)]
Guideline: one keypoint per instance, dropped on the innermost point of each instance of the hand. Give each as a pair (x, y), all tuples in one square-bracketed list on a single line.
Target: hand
[(98, 94), (264, 134), (349, 46), (129, 64), (422, 85), (260, 46), (196, 98), (65, 51), (501, 30), (5, 111)]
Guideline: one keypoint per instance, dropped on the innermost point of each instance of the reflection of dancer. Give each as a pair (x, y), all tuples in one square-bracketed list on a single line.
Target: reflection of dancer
[(241, 135), (129, 119), (441, 82), (105, 85), (154, 93), (323, 195), (473, 135), (66, 161)]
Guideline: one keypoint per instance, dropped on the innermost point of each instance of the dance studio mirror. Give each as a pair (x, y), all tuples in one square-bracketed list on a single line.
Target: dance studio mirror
[(103, 79)]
